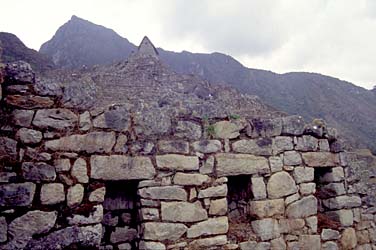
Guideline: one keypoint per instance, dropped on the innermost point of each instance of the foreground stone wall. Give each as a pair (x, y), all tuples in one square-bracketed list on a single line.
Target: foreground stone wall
[(110, 179)]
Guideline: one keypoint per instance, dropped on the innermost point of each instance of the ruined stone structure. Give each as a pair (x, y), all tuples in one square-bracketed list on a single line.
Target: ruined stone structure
[(98, 179)]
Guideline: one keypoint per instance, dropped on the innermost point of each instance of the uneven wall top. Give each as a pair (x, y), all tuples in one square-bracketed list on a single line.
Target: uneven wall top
[(109, 178)]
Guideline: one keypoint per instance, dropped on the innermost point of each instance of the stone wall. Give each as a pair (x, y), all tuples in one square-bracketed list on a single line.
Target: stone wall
[(109, 179)]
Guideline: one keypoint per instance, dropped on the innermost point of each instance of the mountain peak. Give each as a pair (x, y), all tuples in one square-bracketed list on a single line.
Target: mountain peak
[(146, 48)]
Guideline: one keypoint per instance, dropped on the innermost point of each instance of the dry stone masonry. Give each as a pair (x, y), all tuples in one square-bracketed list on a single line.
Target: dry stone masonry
[(95, 179)]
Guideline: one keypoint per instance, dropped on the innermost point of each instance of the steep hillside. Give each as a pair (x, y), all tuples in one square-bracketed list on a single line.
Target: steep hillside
[(13, 49), (81, 43), (349, 108)]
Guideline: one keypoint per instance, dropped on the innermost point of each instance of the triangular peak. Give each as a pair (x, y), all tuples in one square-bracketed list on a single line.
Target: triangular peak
[(146, 48)]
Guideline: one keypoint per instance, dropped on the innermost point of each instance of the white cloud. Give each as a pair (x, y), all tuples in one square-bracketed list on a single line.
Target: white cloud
[(334, 37)]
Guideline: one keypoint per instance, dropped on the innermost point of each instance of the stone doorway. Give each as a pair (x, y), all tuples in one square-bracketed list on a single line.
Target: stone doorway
[(120, 219)]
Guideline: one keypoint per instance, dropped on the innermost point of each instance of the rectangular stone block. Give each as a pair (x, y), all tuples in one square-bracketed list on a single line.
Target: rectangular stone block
[(120, 167), (163, 193), (320, 159), (17, 194), (177, 162), (163, 231), (241, 164), (267, 208)]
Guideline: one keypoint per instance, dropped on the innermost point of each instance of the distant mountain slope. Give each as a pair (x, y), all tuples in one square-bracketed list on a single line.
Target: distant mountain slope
[(349, 108), (81, 43), (13, 49)]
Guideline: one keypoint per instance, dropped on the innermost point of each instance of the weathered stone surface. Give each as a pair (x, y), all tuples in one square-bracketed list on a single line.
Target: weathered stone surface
[(3, 229), (37, 155), (217, 191), (207, 146), (266, 229), (79, 171), (149, 213), (184, 179), (330, 234), (332, 190), (152, 122), (163, 231), (23, 228), (123, 234), (302, 208), (95, 142), (29, 136), (292, 158), (323, 145), (6, 177), (330, 245), (17, 194), (264, 127), (309, 242), (173, 146), (303, 174), (117, 118), (19, 72), (120, 146), (85, 123), (209, 242), (62, 165), (320, 159), (278, 244), (218, 207), (306, 143), (208, 166), (88, 236), (293, 125), (75, 195), (39, 171), (95, 216), (226, 130), (8, 148), (343, 201), (22, 117), (262, 146), (348, 239), (148, 245), (177, 162), (267, 208), (290, 225), (241, 164), (120, 167), (246, 245), (97, 195), (141, 147), (55, 118), (344, 216), (276, 164), (281, 144), (164, 193), (258, 188), (188, 130), (281, 184), (52, 193), (212, 226), (29, 101), (183, 212), (307, 188)]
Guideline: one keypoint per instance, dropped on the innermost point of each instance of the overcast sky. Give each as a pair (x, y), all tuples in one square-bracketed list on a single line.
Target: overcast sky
[(332, 37)]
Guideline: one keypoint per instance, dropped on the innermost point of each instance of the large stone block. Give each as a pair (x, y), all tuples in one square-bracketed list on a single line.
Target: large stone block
[(120, 167), (116, 118), (258, 188), (241, 164), (212, 226), (293, 125), (302, 208), (163, 193), (173, 146), (184, 179), (292, 158), (344, 216), (262, 146), (29, 136), (52, 193), (39, 171), (267, 208), (79, 171), (303, 174), (226, 129), (17, 194), (281, 144), (264, 127), (161, 231), (309, 242), (215, 241), (218, 207), (343, 201), (348, 239), (266, 229), (281, 184), (217, 191), (55, 118), (22, 117), (183, 212), (320, 159), (29, 101), (95, 216), (188, 130), (177, 162), (75, 195), (307, 143), (95, 142)]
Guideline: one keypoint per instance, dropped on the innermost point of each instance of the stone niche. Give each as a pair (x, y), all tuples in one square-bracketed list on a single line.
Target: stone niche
[(120, 219)]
